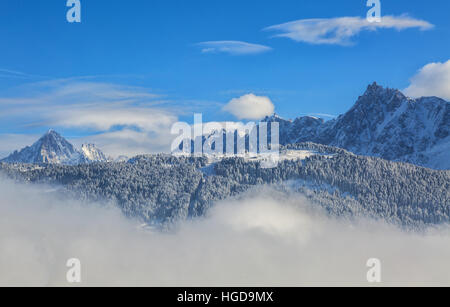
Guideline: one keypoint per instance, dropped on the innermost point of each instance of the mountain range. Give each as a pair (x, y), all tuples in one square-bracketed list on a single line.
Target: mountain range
[(160, 190), (52, 148), (383, 123), (368, 178)]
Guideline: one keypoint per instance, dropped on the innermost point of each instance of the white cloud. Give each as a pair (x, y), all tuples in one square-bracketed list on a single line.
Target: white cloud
[(232, 47), (126, 120), (130, 142), (431, 80), (261, 239), (250, 107), (104, 118), (340, 30)]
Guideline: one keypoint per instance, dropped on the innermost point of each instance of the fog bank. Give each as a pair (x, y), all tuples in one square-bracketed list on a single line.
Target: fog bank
[(261, 239)]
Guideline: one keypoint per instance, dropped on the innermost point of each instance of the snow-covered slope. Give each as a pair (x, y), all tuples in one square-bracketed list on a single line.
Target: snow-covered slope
[(162, 189), (383, 123), (52, 148), (92, 154)]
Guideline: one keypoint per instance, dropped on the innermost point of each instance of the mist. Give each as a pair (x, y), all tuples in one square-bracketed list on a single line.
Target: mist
[(262, 238)]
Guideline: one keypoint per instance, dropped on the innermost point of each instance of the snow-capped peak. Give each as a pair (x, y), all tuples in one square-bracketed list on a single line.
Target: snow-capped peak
[(383, 123), (92, 153), (52, 148)]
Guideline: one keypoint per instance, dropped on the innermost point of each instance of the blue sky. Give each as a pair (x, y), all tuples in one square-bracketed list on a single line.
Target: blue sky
[(157, 56)]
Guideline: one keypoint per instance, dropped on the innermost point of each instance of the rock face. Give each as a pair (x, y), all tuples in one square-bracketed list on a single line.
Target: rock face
[(92, 154), (383, 123), (52, 148)]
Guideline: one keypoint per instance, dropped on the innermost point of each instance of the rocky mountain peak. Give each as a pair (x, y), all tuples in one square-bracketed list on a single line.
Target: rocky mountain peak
[(92, 153), (52, 148)]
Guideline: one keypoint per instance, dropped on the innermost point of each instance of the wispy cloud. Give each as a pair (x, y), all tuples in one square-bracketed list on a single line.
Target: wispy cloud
[(339, 31), (7, 73), (130, 142), (115, 113), (330, 116), (232, 47)]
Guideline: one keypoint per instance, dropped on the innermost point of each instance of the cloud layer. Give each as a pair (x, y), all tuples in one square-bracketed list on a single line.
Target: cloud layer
[(250, 107), (431, 80), (232, 47), (261, 239), (340, 30), (124, 119)]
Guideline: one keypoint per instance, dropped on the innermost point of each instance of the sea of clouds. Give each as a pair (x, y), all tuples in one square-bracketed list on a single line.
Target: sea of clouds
[(261, 239)]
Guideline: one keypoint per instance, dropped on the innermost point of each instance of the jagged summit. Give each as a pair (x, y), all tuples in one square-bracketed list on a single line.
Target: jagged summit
[(379, 94), (374, 87), (92, 153), (274, 116), (52, 148), (383, 123)]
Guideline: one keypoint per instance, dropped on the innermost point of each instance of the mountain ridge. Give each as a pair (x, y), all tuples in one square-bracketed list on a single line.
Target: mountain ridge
[(161, 189), (52, 148), (383, 123)]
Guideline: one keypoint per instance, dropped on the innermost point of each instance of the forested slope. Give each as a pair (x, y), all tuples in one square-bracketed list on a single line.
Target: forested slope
[(162, 189)]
